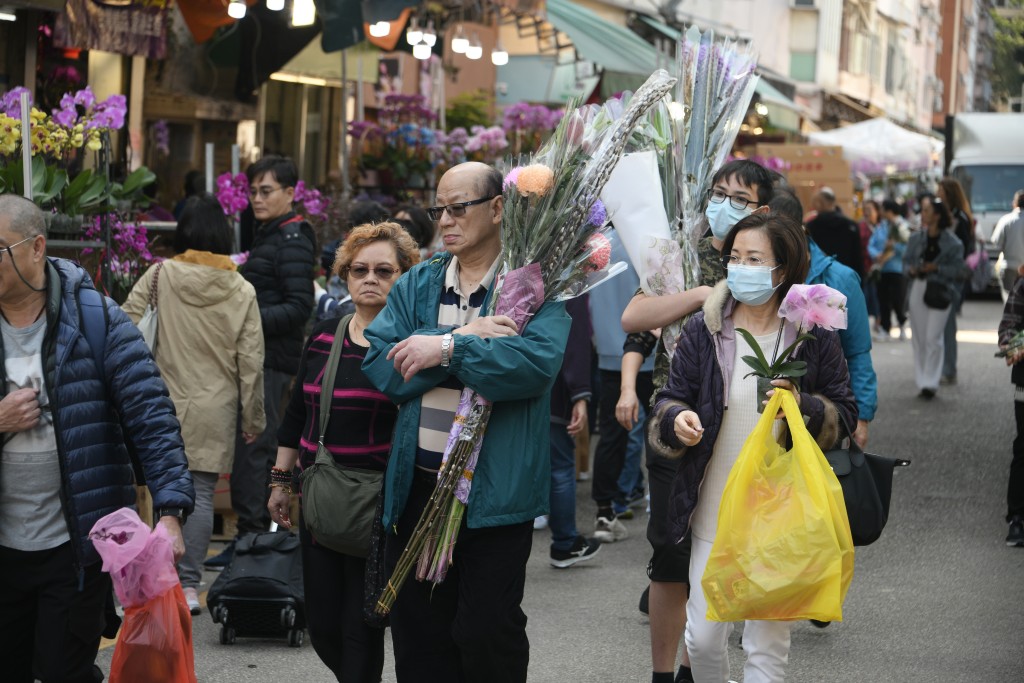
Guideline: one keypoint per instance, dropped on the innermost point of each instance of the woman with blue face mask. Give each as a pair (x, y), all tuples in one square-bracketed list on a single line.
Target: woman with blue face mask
[(708, 408)]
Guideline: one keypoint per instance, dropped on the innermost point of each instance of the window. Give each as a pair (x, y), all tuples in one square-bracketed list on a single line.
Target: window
[(803, 66)]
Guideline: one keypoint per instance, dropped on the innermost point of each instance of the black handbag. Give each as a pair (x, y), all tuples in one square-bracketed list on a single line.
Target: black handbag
[(338, 502), (866, 479), (936, 295)]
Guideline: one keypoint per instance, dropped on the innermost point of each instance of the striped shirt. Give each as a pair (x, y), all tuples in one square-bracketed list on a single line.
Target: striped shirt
[(362, 418), (438, 406)]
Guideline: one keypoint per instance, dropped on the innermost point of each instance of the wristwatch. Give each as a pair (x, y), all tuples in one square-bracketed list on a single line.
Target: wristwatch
[(446, 350), (171, 512)]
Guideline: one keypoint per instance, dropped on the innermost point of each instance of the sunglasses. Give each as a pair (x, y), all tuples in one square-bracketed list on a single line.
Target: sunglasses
[(454, 210), (382, 272)]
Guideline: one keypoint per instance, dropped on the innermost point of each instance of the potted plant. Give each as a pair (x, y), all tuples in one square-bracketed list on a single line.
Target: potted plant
[(806, 306)]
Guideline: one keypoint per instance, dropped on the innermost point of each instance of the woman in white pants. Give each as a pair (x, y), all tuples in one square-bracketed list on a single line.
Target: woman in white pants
[(934, 255)]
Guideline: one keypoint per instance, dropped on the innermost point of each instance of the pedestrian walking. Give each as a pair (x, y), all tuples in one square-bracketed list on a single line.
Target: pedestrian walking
[(1010, 326), (280, 268), (765, 255), (951, 193), (425, 346), (1008, 237), (209, 348), (887, 247), (370, 261), (78, 381), (934, 261), (836, 234)]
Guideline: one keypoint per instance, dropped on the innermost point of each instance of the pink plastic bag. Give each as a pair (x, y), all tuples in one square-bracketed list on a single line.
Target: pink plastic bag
[(140, 560)]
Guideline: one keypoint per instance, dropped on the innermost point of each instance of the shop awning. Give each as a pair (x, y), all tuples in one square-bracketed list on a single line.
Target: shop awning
[(614, 48), (879, 147), (541, 80)]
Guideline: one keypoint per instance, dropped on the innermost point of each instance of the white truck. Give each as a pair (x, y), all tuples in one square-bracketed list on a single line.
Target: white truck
[(985, 152)]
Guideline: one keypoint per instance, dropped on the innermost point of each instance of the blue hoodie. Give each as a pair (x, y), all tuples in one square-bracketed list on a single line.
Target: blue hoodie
[(607, 302), (856, 338)]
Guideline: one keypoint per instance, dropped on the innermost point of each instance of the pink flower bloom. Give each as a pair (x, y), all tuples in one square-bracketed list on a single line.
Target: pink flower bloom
[(808, 306), (510, 178)]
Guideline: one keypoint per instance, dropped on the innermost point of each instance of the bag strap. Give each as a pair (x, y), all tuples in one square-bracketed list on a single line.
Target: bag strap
[(330, 373), (93, 309), (155, 286)]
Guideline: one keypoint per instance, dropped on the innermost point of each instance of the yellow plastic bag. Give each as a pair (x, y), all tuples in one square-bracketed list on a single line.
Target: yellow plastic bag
[(783, 550)]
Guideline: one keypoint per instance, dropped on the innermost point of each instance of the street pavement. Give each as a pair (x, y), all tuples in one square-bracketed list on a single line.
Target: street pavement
[(939, 598)]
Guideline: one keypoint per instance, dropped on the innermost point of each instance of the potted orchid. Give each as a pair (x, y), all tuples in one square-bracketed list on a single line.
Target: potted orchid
[(806, 306)]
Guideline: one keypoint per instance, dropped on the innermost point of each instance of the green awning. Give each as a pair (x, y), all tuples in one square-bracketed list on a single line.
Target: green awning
[(614, 48), (540, 79)]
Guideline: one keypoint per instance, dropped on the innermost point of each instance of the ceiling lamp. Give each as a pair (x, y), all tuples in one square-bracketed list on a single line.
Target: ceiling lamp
[(236, 9), (414, 35), (475, 50), (421, 51), (7, 14), (429, 35), (499, 55), (460, 43), (380, 29), (275, 5), (303, 13)]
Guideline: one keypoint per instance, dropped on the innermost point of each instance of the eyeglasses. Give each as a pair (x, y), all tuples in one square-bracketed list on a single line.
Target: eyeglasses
[(8, 249), (717, 197), (382, 272), (754, 261), (454, 210), (263, 192)]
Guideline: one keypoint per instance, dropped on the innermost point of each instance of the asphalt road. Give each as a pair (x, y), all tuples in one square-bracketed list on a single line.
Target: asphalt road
[(939, 598)]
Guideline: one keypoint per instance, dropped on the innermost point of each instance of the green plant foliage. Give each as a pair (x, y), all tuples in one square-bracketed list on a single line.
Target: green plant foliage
[(468, 109)]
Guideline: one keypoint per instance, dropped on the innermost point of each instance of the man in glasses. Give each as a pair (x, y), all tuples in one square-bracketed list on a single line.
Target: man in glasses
[(429, 342), (63, 461), (738, 189), (280, 268)]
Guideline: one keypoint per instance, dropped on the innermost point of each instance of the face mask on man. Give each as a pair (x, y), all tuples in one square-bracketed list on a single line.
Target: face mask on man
[(723, 215), (751, 285)]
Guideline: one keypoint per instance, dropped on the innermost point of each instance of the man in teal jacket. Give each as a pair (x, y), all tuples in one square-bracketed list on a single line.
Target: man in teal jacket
[(428, 343)]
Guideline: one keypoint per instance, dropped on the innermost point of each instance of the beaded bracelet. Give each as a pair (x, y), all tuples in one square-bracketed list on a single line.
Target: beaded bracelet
[(278, 475)]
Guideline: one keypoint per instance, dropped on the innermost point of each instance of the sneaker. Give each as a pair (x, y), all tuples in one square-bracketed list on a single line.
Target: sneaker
[(622, 511), (1015, 539), (903, 333), (540, 523), (927, 394), (583, 476), (221, 560), (192, 600), (609, 530), (947, 380), (582, 550), (637, 498), (645, 601), (881, 336)]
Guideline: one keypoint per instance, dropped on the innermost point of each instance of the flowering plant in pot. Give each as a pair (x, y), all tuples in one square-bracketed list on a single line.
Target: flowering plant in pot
[(807, 307)]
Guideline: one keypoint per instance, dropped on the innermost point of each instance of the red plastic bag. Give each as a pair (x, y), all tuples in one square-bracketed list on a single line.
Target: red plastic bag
[(155, 643)]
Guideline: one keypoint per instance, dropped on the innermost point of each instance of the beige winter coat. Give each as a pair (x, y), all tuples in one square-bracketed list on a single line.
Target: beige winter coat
[(209, 351)]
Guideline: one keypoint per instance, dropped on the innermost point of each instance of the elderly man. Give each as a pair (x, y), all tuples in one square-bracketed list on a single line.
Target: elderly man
[(63, 463), (426, 345), (836, 234)]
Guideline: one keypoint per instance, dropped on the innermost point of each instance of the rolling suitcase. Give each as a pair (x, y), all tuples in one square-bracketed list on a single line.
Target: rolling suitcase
[(259, 594)]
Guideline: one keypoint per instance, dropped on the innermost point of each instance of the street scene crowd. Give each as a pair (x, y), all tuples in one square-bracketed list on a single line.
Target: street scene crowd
[(640, 319)]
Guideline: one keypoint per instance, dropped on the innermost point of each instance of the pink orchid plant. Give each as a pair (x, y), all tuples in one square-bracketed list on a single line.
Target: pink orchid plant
[(807, 307)]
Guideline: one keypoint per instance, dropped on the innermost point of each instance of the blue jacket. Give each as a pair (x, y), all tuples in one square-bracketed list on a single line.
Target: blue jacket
[(856, 338), (96, 471), (876, 247), (607, 303), (513, 476)]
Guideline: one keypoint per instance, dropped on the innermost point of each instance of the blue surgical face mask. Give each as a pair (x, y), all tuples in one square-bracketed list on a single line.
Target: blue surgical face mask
[(723, 216), (751, 285)]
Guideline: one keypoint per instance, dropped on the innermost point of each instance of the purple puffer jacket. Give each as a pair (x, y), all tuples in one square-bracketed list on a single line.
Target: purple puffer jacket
[(702, 362)]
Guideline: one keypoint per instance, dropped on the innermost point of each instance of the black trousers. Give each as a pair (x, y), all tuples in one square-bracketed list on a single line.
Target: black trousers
[(1015, 489), (333, 582), (610, 454), (49, 629), (892, 298), (470, 628)]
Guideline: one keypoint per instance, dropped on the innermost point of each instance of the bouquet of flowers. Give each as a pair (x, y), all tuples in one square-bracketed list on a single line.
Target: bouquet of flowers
[(806, 306), (715, 84), (552, 250)]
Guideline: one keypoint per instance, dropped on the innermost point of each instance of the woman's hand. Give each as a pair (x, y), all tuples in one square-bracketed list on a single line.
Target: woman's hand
[(688, 428), (279, 506), (782, 384), (627, 410)]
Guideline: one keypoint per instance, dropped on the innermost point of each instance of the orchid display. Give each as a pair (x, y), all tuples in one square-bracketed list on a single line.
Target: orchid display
[(549, 253), (528, 125), (806, 307), (233, 193), (129, 254), (402, 144)]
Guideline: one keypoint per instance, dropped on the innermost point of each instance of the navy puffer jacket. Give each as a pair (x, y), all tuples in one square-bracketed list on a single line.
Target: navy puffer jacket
[(697, 382), (280, 268), (96, 471)]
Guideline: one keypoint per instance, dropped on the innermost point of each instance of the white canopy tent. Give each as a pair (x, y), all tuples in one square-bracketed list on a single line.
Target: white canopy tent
[(880, 147)]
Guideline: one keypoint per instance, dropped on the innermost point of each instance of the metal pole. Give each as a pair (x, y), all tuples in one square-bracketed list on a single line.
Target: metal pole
[(26, 146), (346, 181), (209, 167), (103, 161), (360, 105), (236, 164)]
